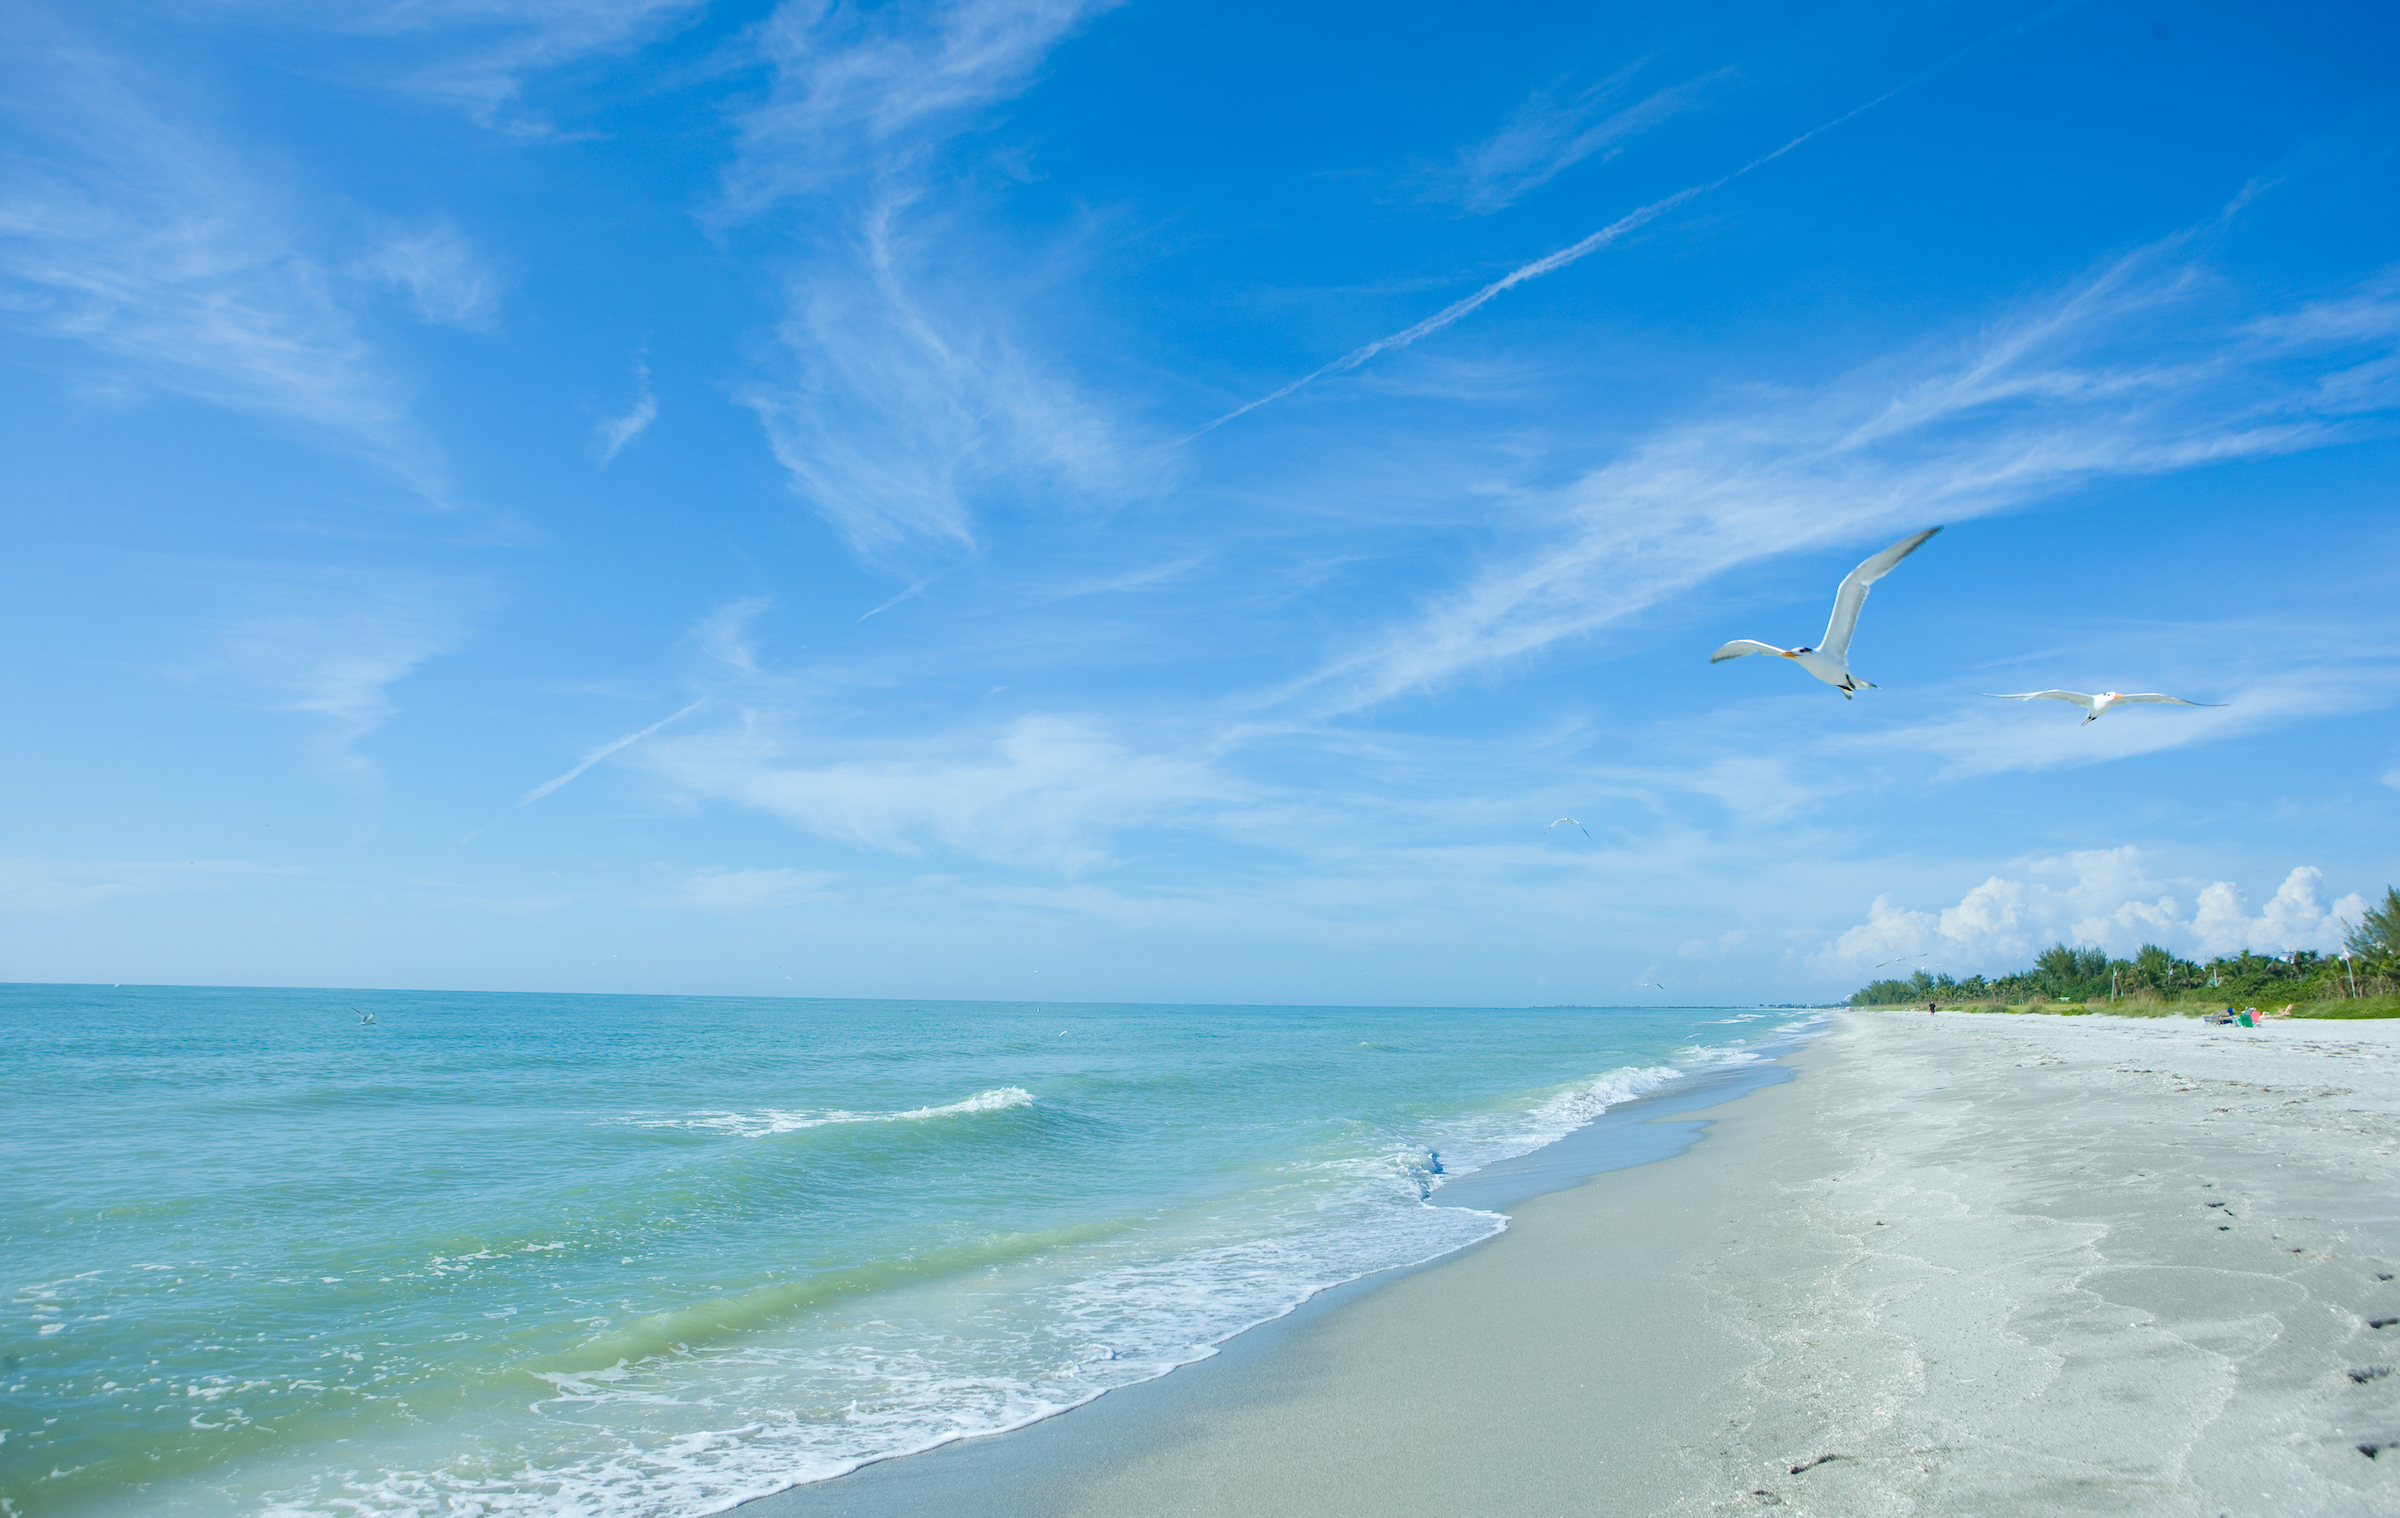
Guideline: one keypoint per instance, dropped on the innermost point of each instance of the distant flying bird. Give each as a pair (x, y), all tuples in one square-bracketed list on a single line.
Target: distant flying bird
[(1829, 661), (1567, 822), (1904, 956), (2093, 706), (366, 1019)]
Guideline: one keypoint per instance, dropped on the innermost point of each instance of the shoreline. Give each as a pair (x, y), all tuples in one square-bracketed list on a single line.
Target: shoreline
[(1961, 1265), (1001, 1471)]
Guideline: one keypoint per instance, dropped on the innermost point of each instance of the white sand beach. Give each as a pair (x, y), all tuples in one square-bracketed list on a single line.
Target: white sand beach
[(1964, 1264)]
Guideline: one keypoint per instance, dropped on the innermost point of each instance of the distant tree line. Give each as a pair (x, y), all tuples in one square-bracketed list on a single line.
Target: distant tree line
[(2065, 973)]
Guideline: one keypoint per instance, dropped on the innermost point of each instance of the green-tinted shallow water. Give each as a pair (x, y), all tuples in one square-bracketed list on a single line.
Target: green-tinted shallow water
[(628, 1255)]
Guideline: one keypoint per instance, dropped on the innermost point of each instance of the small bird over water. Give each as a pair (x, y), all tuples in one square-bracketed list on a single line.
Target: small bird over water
[(1829, 661), (2093, 706), (366, 1019)]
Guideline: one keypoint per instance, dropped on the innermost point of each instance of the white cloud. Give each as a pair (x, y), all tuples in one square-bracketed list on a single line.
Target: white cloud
[(724, 634), (912, 391), (907, 404), (2104, 898), (65, 885), (1548, 135), (2264, 682), (616, 432), (869, 91), (2292, 918), (474, 56), (603, 751), (2024, 415), (124, 230), (1045, 792), (445, 279), (335, 651), (727, 890)]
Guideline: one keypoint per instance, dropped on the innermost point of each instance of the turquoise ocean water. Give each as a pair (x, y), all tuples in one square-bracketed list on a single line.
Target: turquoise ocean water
[(614, 1255)]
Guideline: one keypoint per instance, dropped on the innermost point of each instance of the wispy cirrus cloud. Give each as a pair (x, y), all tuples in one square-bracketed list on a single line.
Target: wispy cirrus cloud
[(131, 232), (908, 396), (1045, 792), (617, 431), (447, 282), (66, 885), (474, 56), (2282, 681), (906, 405), (334, 649), (739, 891), (1552, 131), (2033, 409), (870, 93), (1616, 231)]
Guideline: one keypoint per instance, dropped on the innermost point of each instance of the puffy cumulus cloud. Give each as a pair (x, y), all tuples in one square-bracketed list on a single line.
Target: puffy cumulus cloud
[(2103, 897), (2292, 919)]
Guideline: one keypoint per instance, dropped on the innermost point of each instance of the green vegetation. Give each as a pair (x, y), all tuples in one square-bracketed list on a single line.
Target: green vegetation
[(2065, 979)]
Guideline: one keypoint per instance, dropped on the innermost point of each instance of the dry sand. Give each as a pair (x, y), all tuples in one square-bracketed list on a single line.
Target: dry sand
[(1974, 1257), (1964, 1264)]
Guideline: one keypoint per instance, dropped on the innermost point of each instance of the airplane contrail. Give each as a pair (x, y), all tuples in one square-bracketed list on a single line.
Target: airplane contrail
[(1630, 221), (602, 752)]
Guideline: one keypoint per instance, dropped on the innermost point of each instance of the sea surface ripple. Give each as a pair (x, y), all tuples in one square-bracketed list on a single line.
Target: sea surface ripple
[(618, 1256)]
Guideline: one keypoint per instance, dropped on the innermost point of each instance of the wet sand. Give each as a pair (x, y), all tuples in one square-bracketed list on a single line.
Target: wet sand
[(1964, 1264)]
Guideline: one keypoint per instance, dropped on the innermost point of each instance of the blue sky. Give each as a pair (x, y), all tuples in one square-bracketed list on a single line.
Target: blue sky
[(647, 495)]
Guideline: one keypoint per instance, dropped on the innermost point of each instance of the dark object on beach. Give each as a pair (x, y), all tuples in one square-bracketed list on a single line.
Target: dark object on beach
[(2383, 1275), (1813, 1464), (2372, 1450), (2382, 1322), (2224, 1228), (2365, 1373)]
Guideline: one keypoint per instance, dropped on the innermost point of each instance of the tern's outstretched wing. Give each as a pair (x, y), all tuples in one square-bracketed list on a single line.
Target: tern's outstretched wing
[(1853, 593), (2076, 696), (2170, 700), (1741, 646)]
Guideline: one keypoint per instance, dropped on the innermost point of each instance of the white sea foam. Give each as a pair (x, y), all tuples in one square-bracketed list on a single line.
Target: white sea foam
[(906, 1370), (771, 1120)]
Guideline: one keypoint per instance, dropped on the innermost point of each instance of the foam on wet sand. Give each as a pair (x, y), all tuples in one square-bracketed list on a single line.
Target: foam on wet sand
[(1964, 1264)]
